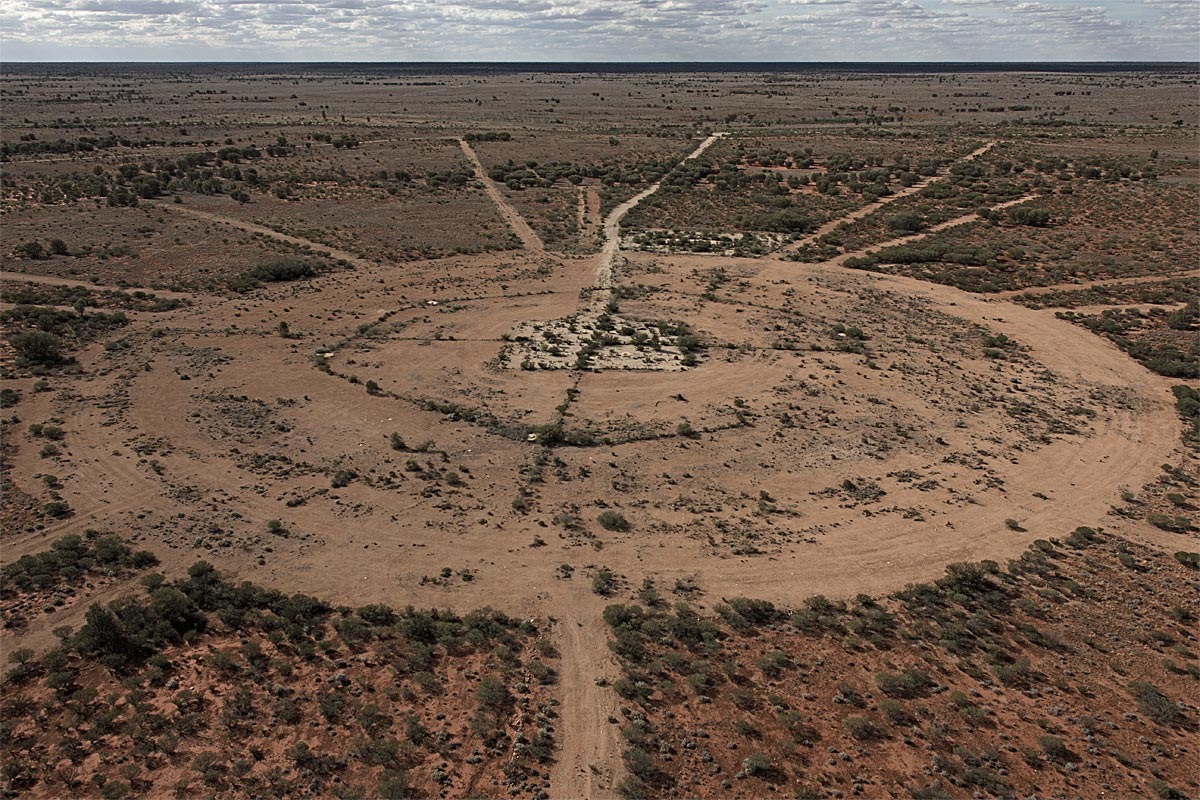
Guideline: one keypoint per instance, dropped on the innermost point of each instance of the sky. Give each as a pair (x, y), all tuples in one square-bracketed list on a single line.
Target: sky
[(599, 30)]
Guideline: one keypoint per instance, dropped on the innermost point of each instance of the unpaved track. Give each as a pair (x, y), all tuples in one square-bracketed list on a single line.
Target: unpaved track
[(51, 280), (916, 237), (590, 221), (875, 556), (589, 757), (871, 208), (520, 227), (332, 252), (1067, 287), (612, 223)]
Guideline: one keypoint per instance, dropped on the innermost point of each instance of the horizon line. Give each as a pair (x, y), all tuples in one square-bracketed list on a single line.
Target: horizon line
[(595, 61)]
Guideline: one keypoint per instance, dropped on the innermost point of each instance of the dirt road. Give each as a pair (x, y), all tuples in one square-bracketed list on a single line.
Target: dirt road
[(612, 223), (916, 237), (51, 280), (322, 249), (589, 757), (871, 208), (520, 227), (1080, 285)]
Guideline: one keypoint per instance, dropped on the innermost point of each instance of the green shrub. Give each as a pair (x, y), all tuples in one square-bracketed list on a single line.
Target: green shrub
[(493, 695), (343, 477), (1017, 674), (1053, 747), (613, 521), (756, 764), (1189, 560), (288, 269), (38, 347), (1165, 522), (57, 509), (906, 222), (1024, 215), (1165, 790), (907, 684), (895, 712), (863, 729), (604, 582), (1187, 403), (1154, 704)]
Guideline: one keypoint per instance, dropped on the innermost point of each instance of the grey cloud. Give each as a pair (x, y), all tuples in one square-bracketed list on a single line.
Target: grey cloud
[(607, 29)]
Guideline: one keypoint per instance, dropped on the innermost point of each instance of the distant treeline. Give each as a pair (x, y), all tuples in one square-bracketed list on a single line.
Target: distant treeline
[(29, 144), (631, 67)]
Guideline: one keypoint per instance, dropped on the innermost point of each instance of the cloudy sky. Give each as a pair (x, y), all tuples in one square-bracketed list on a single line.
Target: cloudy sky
[(599, 30)]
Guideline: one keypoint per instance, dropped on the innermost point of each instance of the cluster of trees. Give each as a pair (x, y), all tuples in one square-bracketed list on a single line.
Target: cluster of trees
[(532, 174), (1027, 215), (130, 637), (342, 140), (29, 144), (39, 334), (71, 558), (1092, 168), (489, 136), (1187, 402), (36, 251), (205, 172), (130, 630), (928, 252), (1165, 358), (453, 178), (277, 271), (54, 295)]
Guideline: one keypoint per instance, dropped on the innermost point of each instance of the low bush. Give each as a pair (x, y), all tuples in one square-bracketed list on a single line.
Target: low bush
[(614, 521), (280, 271)]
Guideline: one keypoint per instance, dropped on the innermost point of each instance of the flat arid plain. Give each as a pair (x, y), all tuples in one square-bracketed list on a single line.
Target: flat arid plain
[(414, 432)]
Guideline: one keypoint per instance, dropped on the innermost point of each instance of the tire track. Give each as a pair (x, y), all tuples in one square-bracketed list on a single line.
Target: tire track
[(1068, 287), (870, 208), (520, 227), (250, 227)]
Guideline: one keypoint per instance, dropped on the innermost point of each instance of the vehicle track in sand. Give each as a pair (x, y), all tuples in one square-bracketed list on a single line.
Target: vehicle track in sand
[(588, 215), (871, 208), (52, 280), (588, 760), (965, 219), (528, 236), (612, 223), (1087, 284), (1083, 476), (251, 227)]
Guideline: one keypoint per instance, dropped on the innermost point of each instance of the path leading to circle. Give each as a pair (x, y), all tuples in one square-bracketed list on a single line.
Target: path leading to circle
[(520, 227), (589, 755), (250, 227), (1080, 285), (612, 223), (871, 208), (53, 280)]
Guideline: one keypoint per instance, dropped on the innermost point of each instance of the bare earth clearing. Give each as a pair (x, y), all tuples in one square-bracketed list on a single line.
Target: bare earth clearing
[(512, 428)]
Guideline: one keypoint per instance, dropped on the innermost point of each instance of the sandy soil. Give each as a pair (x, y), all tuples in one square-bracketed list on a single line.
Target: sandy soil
[(210, 421)]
